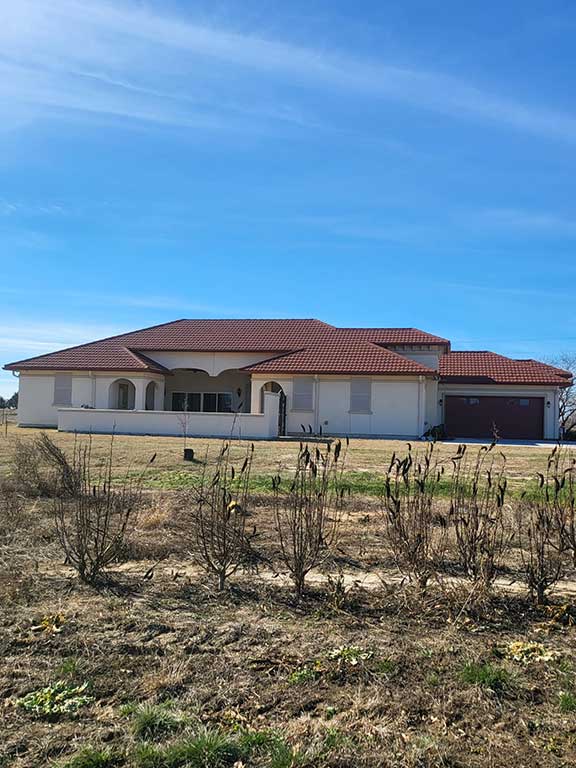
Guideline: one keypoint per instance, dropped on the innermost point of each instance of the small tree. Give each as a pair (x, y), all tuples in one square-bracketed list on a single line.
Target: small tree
[(307, 512), (220, 505), (415, 534), (567, 395), (478, 490), (93, 527)]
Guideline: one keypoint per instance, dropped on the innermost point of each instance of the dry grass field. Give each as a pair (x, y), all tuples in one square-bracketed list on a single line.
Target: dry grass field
[(366, 458), (155, 668)]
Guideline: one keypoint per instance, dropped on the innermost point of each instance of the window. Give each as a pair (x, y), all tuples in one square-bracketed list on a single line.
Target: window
[(209, 402), (224, 402), (205, 402), (178, 401), (524, 402), (63, 389), (303, 396), (360, 395), (187, 401), (472, 400), (123, 395)]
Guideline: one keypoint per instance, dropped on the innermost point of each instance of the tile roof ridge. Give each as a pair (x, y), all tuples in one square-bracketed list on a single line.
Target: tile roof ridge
[(148, 362), (275, 357), (399, 356)]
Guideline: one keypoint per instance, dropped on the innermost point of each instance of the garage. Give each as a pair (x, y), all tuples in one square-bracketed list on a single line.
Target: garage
[(519, 418)]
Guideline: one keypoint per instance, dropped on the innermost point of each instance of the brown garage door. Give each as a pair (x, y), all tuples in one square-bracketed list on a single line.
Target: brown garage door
[(513, 417)]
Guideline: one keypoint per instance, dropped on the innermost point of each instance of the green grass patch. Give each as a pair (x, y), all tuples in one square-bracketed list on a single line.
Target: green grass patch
[(567, 701), (210, 748), (154, 722), (486, 675), (95, 758)]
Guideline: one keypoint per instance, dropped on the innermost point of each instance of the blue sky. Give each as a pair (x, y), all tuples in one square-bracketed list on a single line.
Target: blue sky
[(371, 163)]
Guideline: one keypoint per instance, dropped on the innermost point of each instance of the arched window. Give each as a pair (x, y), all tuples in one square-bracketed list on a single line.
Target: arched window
[(150, 396), (122, 395)]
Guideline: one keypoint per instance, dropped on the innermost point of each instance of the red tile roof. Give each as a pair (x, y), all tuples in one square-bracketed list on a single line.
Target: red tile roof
[(295, 346), (490, 368), (394, 336), (362, 358), (324, 343)]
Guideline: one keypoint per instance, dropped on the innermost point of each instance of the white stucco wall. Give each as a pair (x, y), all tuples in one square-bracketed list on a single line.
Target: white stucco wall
[(423, 354), (399, 406), (169, 423), (36, 393), (211, 362), (35, 401)]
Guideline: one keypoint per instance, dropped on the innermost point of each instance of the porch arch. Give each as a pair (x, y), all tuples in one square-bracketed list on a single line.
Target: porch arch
[(122, 395), (150, 396), (273, 386)]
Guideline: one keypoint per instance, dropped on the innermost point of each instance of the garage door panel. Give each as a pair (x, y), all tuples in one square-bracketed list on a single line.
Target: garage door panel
[(479, 416)]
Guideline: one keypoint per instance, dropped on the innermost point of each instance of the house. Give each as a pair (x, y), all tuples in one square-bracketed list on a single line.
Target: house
[(262, 378)]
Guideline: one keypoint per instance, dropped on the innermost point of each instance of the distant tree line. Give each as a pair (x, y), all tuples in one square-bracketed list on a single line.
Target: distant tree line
[(11, 402)]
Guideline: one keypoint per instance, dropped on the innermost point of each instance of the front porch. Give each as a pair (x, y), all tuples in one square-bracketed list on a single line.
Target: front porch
[(191, 390), (254, 426)]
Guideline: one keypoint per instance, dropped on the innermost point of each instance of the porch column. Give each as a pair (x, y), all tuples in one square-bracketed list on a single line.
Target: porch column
[(159, 399), (421, 404), (255, 395), (140, 394)]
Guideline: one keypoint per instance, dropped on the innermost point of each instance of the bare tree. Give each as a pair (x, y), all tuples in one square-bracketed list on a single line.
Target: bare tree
[(307, 513), (93, 526), (567, 398), (220, 505)]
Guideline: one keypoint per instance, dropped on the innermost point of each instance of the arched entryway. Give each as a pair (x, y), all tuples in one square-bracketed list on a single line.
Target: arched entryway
[(122, 395), (273, 386), (150, 399)]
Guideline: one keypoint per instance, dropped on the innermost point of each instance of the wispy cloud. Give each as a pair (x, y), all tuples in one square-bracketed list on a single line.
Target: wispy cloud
[(531, 222), (19, 207), (123, 59), (20, 339), (131, 300)]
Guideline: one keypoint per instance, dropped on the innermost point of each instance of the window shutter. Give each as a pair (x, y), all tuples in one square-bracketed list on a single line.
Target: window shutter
[(63, 389), (360, 395), (303, 394)]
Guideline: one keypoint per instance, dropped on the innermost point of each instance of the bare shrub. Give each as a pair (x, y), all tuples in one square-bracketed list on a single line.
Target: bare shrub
[(40, 468), (93, 527), (66, 473), (478, 490), (541, 534), (560, 482), (307, 512), (220, 504), (26, 470), (11, 510), (416, 533)]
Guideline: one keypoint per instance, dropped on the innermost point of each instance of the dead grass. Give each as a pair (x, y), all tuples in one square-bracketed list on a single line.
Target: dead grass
[(384, 677), (365, 457)]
